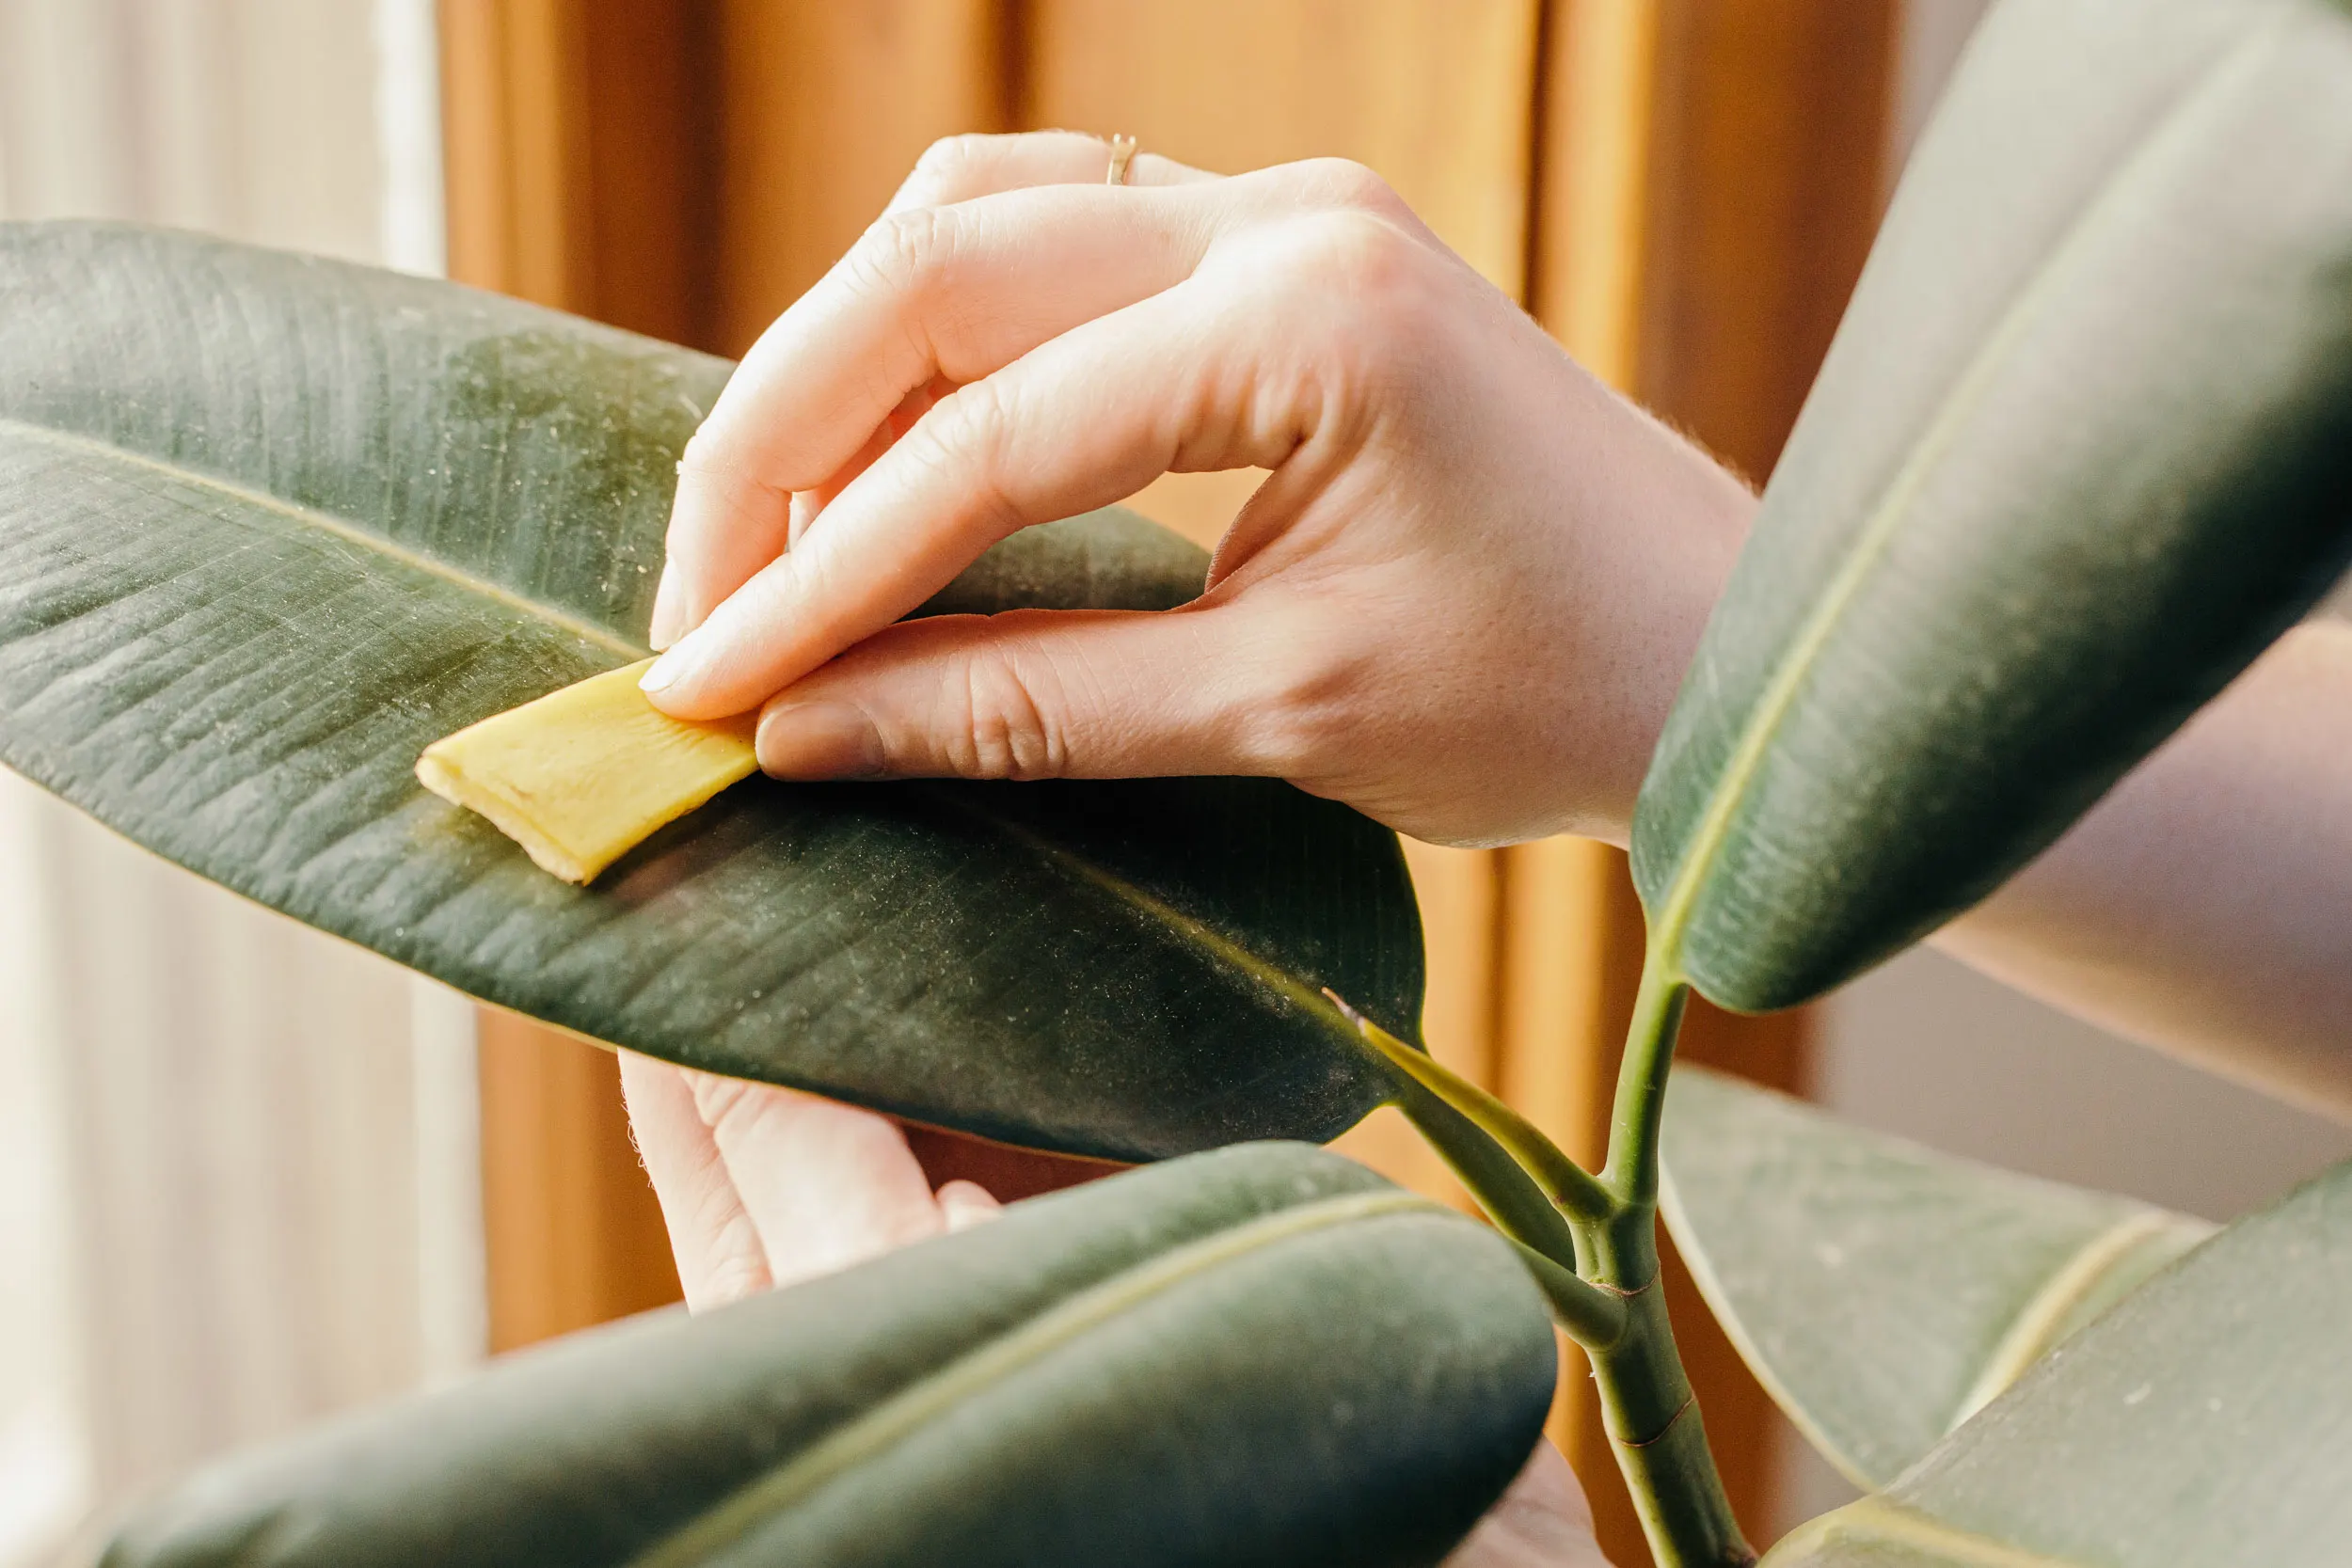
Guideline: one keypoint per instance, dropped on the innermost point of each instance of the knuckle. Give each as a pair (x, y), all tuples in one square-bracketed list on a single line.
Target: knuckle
[(1357, 289), (973, 418), (1365, 256), (1370, 296), (969, 435), (1364, 266), (1346, 183), (903, 253), (1008, 729)]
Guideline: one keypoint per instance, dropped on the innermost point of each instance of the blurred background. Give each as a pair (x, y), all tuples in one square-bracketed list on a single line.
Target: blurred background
[(249, 1176)]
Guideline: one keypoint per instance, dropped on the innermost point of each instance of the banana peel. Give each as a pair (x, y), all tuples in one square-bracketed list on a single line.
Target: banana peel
[(582, 776)]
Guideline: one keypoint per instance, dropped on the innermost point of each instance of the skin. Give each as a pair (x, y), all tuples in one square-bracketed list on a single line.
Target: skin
[(2205, 906), (1456, 515), (1462, 602)]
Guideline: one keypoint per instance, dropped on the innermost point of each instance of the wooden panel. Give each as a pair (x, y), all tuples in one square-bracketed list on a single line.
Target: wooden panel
[(570, 1227), (1772, 133), (650, 138), (1438, 97), (512, 160), (1563, 987), (824, 108), (578, 135), (1590, 229)]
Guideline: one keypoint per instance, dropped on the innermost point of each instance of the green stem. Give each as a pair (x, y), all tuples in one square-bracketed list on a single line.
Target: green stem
[(1647, 1403), (1505, 1192), (1630, 1173), (1606, 1226), (1567, 1184), (1611, 1302), (1592, 1317), (1655, 1430)]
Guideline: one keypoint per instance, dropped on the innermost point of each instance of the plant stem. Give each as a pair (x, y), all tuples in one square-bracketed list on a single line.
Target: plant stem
[(1567, 1184), (1631, 1171), (1593, 1318), (1655, 1430), (1505, 1192), (1593, 1247), (1647, 1404)]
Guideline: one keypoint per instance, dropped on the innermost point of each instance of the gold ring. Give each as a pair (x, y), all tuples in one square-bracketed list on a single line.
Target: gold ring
[(1122, 154)]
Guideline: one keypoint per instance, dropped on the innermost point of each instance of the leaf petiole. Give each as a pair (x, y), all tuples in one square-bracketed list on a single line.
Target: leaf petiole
[(1568, 1185)]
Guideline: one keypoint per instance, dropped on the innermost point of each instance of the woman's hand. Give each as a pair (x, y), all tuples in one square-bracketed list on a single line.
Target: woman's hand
[(1461, 602), (763, 1186)]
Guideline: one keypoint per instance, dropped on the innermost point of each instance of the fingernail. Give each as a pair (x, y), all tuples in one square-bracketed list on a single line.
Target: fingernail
[(818, 740), (674, 668), (669, 613)]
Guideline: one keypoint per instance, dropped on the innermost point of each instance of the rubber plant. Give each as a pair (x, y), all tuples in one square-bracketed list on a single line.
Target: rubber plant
[(2083, 446)]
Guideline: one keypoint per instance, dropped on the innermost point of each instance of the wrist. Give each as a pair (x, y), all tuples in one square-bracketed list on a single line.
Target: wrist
[(1683, 521)]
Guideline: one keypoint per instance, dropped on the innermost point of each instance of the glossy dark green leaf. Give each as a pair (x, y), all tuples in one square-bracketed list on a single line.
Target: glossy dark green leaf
[(1260, 1355), (1885, 1292), (2204, 1422), (2082, 448), (271, 525)]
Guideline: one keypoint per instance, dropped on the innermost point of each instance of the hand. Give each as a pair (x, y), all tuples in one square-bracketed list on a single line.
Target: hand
[(764, 1186), (1462, 601)]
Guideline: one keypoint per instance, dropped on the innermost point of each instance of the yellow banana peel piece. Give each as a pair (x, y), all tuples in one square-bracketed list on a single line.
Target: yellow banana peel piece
[(582, 776)]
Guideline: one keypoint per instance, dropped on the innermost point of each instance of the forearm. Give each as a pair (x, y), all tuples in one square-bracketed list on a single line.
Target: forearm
[(2205, 905)]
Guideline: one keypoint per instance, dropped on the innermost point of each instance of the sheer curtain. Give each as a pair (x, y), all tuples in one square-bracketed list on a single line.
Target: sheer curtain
[(239, 1171)]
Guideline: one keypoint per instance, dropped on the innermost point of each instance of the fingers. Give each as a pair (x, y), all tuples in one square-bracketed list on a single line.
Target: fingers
[(928, 293), (719, 1252), (1184, 379), (965, 1204), (1034, 695), (763, 1186), (961, 167), (956, 169), (826, 1185)]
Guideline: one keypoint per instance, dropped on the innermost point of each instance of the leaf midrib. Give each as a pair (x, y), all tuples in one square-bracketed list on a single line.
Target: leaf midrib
[(1185, 927), (2035, 1329), (1273, 976), (1881, 1520), (2030, 1334), (994, 1362), (1708, 837), (329, 523)]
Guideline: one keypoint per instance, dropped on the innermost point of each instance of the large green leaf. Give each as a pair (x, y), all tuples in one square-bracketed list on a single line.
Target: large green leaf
[(269, 525), (1260, 1355), (2204, 1422), (2082, 448), (1883, 1291)]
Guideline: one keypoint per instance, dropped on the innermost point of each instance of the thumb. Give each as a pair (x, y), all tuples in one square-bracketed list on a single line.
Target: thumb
[(1038, 694)]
